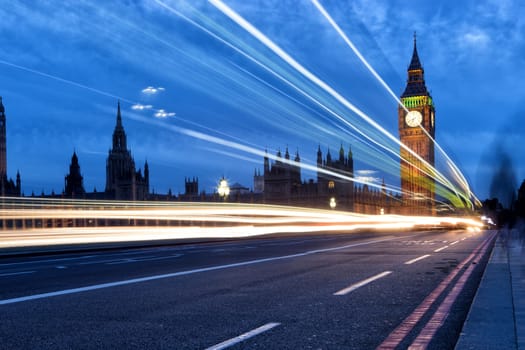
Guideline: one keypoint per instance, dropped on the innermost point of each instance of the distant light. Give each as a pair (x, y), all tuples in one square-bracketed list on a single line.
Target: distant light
[(223, 189), (333, 204)]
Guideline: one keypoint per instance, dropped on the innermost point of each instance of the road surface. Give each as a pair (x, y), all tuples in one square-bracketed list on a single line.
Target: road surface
[(328, 291)]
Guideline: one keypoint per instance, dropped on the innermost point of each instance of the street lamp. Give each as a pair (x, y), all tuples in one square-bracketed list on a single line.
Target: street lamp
[(223, 189), (333, 204)]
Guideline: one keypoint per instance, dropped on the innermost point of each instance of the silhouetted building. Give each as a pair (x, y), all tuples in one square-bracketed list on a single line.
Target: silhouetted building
[(7, 186), (191, 186), (237, 190), (282, 179), (334, 177), (123, 182), (258, 182), (334, 187), (74, 182), (417, 132)]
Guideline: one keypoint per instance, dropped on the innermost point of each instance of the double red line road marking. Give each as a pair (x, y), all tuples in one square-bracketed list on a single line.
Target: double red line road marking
[(436, 321)]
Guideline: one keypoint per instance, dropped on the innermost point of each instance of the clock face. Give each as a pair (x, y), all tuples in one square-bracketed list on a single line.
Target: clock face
[(413, 118)]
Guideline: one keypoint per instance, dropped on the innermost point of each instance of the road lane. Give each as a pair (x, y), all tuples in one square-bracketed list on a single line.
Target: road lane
[(199, 310)]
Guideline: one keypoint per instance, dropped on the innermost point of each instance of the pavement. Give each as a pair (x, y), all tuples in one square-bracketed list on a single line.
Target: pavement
[(496, 319)]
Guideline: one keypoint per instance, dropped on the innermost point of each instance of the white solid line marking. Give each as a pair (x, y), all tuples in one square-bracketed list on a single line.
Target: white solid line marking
[(454, 242), (127, 261), (409, 262), (46, 261), (227, 343), (16, 273), (362, 283), (440, 249), (183, 273)]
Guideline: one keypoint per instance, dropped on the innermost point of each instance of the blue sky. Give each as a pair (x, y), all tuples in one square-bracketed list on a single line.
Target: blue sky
[(64, 65)]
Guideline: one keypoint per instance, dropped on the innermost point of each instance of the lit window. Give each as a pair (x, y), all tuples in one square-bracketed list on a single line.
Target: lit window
[(331, 184)]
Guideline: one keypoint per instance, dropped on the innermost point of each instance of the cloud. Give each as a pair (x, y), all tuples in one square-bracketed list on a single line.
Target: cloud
[(141, 107), (367, 176), (163, 114), (150, 90), (365, 172), (373, 14), (476, 38)]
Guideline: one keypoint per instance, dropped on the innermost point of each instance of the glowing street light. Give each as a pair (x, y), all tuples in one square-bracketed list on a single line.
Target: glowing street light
[(333, 204), (223, 189)]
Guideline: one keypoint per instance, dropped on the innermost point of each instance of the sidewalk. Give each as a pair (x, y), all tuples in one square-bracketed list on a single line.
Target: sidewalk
[(496, 319)]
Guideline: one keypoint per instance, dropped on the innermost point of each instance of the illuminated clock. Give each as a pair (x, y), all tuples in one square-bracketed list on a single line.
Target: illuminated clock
[(413, 118)]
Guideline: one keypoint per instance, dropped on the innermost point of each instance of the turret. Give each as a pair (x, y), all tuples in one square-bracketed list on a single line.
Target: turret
[(350, 164), (146, 175), (266, 163), (3, 142), (18, 183), (319, 156)]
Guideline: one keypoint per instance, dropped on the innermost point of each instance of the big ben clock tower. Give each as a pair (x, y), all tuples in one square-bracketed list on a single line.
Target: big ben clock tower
[(415, 126)]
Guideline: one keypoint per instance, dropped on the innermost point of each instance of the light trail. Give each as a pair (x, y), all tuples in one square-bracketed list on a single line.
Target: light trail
[(368, 140), (357, 52), (67, 81), (227, 143), (229, 12), (459, 176), (184, 221)]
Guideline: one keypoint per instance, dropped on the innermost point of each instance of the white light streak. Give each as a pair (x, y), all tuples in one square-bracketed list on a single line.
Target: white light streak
[(188, 221), (356, 51), (427, 169), (66, 81), (459, 176)]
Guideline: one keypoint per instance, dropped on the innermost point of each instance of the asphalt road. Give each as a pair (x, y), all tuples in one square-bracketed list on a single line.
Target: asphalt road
[(333, 291)]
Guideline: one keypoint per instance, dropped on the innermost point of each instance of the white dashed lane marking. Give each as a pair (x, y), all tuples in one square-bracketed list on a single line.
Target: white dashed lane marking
[(409, 262), (230, 342), (357, 285)]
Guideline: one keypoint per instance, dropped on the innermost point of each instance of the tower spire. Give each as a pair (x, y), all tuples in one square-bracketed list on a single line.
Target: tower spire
[(119, 117), (119, 135), (415, 63), (416, 76)]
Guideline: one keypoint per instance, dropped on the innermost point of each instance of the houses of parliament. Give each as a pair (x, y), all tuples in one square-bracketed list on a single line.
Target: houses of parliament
[(280, 181)]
